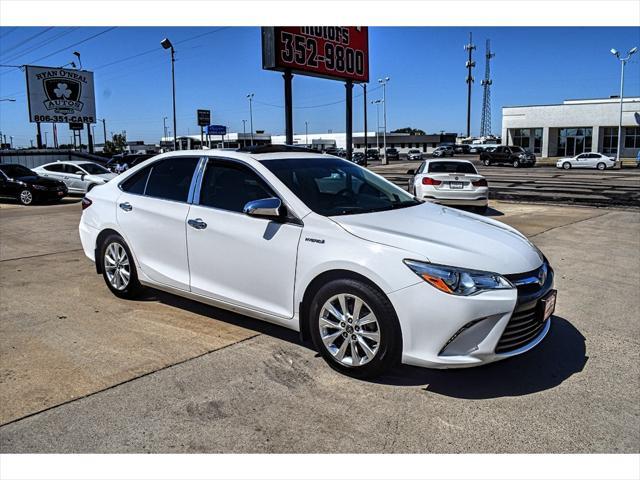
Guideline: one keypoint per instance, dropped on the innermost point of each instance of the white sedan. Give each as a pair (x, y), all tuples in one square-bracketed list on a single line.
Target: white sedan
[(323, 246), (450, 182), (80, 176), (587, 160)]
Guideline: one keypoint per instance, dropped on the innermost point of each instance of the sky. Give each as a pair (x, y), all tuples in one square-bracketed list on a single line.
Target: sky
[(216, 67)]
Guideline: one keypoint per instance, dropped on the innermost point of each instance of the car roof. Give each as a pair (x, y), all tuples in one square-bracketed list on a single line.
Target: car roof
[(248, 157)]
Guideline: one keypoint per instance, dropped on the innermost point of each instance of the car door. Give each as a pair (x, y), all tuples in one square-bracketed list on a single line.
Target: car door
[(152, 211), (72, 178), (8, 188), (583, 160), (53, 170), (236, 258)]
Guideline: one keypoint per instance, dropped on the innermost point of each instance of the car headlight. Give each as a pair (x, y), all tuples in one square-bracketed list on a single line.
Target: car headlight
[(458, 281)]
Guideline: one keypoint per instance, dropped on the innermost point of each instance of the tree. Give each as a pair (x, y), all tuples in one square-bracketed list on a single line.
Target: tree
[(116, 145), (409, 130)]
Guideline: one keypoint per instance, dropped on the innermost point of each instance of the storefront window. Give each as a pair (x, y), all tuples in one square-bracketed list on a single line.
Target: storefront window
[(631, 137), (537, 140), (520, 137), (609, 140), (573, 141)]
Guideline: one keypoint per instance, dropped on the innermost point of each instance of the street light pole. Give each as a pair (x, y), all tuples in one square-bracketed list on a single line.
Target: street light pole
[(244, 133), (250, 97), (164, 127), (166, 44), (383, 82), (377, 104), (623, 62)]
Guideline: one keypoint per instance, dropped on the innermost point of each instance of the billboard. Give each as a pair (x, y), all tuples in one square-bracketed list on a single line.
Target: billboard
[(216, 130), (60, 95), (338, 53)]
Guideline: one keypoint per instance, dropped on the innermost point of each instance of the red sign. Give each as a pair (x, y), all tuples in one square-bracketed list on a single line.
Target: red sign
[(339, 53)]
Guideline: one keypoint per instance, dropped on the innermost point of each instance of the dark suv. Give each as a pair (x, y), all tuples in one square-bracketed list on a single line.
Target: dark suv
[(393, 154), (503, 155), (373, 154)]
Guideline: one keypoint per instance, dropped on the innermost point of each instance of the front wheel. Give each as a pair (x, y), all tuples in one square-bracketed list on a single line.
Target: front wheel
[(601, 166), (118, 268), (355, 328), (25, 197), (516, 163), (566, 165)]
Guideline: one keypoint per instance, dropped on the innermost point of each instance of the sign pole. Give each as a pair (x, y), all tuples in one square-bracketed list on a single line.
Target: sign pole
[(38, 135), (288, 106), (201, 137), (89, 138), (364, 86), (349, 119)]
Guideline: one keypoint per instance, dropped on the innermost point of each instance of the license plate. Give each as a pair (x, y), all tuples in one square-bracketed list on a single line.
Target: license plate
[(548, 305), (456, 185)]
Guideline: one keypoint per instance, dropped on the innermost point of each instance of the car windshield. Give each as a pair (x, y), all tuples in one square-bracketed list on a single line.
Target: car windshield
[(93, 168), (451, 167), (17, 171), (331, 186), (414, 151)]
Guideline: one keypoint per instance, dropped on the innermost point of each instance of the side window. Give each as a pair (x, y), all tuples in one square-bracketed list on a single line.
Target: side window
[(136, 182), (230, 186), (71, 169), (421, 169), (170, 179), (55, 167)]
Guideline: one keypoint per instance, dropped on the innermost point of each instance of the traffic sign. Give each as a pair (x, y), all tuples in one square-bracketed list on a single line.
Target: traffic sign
[(216, 130)]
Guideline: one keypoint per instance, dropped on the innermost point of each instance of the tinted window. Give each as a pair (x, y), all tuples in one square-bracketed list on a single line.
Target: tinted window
[(331, 186), (17, 171), (170, 179), (56, 167), (136, 182), (72, 169), (230, 186), (94, 168), (451, 167)]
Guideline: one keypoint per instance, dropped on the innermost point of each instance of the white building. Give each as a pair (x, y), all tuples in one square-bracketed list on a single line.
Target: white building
[(338, 140), (573, 127)]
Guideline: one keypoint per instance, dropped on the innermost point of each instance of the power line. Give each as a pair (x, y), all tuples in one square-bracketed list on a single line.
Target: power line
[(46, 41), (26, 40), (316, 106)]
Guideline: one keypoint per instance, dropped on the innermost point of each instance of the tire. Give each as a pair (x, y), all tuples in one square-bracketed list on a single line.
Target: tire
[(516, 164), (487, 162), (601, 166), (342, 335), (566, 165), (25, 197), (113, 268)]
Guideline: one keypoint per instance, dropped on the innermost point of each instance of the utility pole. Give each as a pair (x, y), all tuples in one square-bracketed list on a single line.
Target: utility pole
[(364, 88), (470, 47), (250, 97), (485, 121), (383, 82)]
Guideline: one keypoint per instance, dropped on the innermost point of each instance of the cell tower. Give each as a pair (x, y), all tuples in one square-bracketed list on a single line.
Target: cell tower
[(485, 121), (470, 47)]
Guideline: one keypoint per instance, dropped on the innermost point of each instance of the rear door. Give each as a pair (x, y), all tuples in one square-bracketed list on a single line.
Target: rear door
[(152, 212), (234, 257), (583, 160)]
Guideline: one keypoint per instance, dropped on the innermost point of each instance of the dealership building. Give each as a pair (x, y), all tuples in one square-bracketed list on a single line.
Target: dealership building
[(574, 127)]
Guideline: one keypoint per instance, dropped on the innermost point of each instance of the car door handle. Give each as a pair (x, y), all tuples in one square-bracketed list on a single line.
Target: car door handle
[(126, 206), (197, 223)]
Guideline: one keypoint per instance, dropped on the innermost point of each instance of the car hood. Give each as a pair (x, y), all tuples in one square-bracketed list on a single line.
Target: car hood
[(447, 236)]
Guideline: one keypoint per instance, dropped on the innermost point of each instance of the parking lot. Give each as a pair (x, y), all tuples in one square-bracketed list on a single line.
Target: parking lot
[(83, 371)]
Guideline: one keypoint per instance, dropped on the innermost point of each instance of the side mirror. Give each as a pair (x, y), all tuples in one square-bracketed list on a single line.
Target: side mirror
[(265, 208), (411, 172)]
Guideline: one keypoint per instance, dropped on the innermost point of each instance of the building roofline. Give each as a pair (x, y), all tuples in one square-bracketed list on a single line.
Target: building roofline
[(588, 101)]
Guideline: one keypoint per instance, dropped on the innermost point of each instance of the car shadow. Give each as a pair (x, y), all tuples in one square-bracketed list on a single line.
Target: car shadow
[(561, 354)]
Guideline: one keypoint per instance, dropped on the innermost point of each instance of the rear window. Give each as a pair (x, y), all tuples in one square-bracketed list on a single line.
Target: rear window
[(451, 167)]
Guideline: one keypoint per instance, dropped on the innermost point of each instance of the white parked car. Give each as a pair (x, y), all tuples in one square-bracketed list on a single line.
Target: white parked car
[(587, 160), (325, 247), (450, 182), (79, 176)]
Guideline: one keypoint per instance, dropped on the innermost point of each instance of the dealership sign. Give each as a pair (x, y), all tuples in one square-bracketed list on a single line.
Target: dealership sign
[(204, 118), (216, 130), (60, 95), (339, 53)]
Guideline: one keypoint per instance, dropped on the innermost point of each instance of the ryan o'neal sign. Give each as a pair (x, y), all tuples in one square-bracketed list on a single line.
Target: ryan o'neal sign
[(60, 95)]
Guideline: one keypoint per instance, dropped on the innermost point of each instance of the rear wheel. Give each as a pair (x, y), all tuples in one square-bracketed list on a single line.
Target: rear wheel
[(355, 328), (601, 166), (25, 197), (118, 268), (566, 165), (486, 162)]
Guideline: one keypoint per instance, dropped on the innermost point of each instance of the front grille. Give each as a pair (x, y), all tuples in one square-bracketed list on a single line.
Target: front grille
[(524, 326)]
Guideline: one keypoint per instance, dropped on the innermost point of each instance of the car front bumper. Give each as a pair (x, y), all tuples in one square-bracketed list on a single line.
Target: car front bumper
[(447, 331)]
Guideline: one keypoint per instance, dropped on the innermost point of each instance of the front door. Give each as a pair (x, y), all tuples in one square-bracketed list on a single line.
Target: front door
[(152, 213), (236, 258)]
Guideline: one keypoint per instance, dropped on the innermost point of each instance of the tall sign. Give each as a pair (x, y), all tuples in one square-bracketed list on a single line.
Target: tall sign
[(204, 118), (338, 53), (60, 95)]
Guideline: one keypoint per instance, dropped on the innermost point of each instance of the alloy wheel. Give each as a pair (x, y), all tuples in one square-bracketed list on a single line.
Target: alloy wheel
[(349, 330), (116, 265), (26, 197)]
